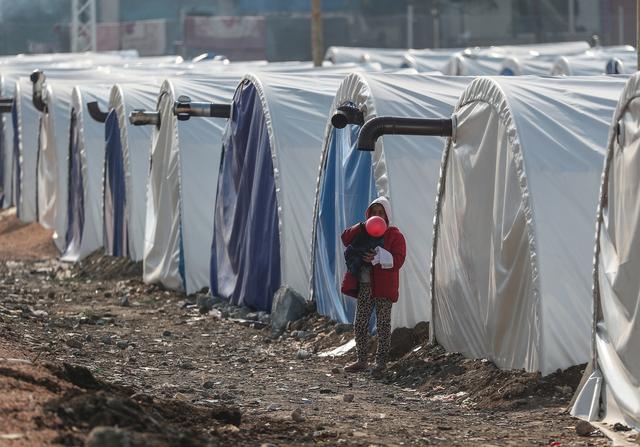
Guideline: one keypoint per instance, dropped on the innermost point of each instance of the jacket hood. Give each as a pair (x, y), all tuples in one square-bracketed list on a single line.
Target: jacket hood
[(385, 204)]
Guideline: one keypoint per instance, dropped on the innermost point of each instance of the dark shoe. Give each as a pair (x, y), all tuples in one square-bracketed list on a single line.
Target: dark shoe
[(356, 367)]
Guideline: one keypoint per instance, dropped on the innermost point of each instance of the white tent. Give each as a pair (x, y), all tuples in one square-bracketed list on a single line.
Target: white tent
[(490, 60), (511, 263), (428, 60), (597, 61), (6, 153), (264, 207), (126, 169), (537, 60), (86, 161), (388, 58), (403, 168), (612, 393), (185, 158), (53, 146), (25, 120)]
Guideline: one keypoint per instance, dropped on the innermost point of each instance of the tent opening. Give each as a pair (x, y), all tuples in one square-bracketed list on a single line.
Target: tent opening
[(347, 187), (75, 210), (115, 232), (245, 254)]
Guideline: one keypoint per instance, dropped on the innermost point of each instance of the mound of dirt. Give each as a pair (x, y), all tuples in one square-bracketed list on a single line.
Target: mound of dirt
[(479, 383), (98, 266), (21, 241)]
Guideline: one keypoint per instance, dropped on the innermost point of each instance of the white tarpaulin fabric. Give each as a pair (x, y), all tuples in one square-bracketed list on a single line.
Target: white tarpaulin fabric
[(282, 116), (403, 168), (597, 61), (511, 266), (185, 159), (612, 393), (389, 58), (26, 120), (135, 146), (53, 146), (6, 154), (489, 61), (428, 60)]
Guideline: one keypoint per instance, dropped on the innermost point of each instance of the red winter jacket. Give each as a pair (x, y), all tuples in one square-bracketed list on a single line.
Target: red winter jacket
[(384, 282)]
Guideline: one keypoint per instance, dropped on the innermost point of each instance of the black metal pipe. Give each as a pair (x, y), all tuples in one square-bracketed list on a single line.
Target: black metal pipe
[(184, 109), (6, 104), (144, 118), (95, 112), (347, 115), (37, 81), (393, 125)]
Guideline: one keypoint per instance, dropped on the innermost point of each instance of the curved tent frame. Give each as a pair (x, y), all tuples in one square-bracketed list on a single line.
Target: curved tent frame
[(126, 169), (184, 164), (510, 269), (403, 168), (609, 391), (277, 121)]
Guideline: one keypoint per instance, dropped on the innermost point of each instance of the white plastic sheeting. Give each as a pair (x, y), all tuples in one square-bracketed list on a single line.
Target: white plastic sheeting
[(612, 393), (25, 123), (597, 61), (405, 169), (86, 154), (428, 60), (185, 160), (135, 143), (489, 61), (389, 58), (511, 266), (53, 147), (6, 152)]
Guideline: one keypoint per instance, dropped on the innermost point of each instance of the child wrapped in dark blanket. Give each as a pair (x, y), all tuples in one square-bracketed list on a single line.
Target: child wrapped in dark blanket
[(360, 245)]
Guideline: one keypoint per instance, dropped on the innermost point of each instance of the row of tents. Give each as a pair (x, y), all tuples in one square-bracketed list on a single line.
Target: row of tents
[(568, 58), (241, 177)]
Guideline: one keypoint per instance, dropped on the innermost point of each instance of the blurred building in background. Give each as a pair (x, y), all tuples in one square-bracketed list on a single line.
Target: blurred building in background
[(280, 29)]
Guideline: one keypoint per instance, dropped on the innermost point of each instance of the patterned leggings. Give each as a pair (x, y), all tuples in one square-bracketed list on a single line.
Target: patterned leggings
[(364, 308)]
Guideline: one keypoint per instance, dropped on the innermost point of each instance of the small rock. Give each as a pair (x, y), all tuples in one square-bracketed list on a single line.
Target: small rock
[(620, 427), (341, 328), (583, 428), (122, 344), (107, 294), (336, 370), (74, 342), (108, 437), (166, 334), (297, 415), (302, 354), (106, 339), (272, 407), (288, 305), (124, 301), (204, 303), (348, 398), (229, 429), (208, 384), (304, 335), (39, 314)]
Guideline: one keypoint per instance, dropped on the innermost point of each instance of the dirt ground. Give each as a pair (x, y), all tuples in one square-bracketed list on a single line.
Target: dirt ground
[(90, 345)]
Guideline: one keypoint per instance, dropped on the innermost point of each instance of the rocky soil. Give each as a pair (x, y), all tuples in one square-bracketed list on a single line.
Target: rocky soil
[(90, 355)]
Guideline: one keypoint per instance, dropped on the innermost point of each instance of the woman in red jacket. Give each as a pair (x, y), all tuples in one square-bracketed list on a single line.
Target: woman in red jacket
[(375, 286)]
